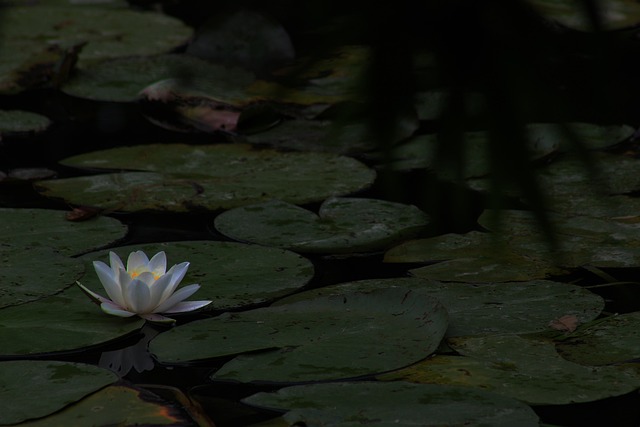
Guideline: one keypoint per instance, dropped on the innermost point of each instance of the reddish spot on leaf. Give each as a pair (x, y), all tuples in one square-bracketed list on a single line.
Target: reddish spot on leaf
[(566, 323)]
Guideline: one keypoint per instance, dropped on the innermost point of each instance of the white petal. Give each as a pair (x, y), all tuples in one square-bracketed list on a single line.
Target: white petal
[(137, 260), (115, 310), (179, 295), (92, 295), (184, 306), (177, 273), (116, 262), (147, 277), (158, 264), (110, 282), (157, 318), (138, 297), (158, 290)]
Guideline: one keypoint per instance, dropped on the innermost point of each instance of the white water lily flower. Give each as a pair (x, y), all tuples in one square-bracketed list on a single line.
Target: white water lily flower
[(144, 288)]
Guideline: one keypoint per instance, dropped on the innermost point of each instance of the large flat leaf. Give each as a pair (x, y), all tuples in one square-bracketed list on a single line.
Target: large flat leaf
[(42, 227), (524, 369), (470, 257), (397, 404), (324, 338), (615, 339), (21, 123), (27, 33), (232, 275), (30, 273), (115, 405), (122, 79), (479, 309), (209, 177), (615, 14), (62, 322), (581, 240), (343, 225), (33, 389)]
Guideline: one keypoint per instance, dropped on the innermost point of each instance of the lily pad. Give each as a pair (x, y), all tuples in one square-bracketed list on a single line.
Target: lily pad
[(470, 257), (122, 79), (615, 339), (244, 38), (544, 138), (328, 136), (525, 369), (482, 309), (398, 404), (615, 14), (22, 123), (31, 273), (24, 397), (115, 405), (42, 227), (63, 322), (232, 275), (343, 225), (582, 240), (332, 337), (208, 177), (27, 33)]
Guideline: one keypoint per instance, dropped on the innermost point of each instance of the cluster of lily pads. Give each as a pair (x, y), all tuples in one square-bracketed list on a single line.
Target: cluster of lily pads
[(485, 328)]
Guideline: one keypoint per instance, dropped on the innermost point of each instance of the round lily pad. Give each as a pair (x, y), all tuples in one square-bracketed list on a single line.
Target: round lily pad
[(232, 275), (22, 123), (525, 369), (30, 273), (208, 177), (42, 227), (470, 257), (116, 405), (615, 339), (33, 389), (479, 309), (30, 33), (122, 79), (343, 225), (397, 404), (323, 338), (615, 14), (62, 322), (582, 240)]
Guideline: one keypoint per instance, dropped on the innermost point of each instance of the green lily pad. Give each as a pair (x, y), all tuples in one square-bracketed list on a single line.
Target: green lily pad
[(470, 257), (571, 189), (31, 273), (122, 79), (479, 309), (343, 225), (21, 123), (582, 240), (244, 38), (33, 389), (398, 404), (544, 138), (208, 177), (232, 275), (28, 32), (42, 227), (615, 14), (525, 369), (115, 405), (324, 338), (62, 322), (615, 339), (327, 136)]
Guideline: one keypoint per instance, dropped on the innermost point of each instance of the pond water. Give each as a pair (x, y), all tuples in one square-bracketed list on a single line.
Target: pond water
[(400, 300)]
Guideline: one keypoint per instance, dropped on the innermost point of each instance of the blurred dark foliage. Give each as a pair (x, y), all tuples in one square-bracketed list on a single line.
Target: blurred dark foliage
[(520, 66)]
